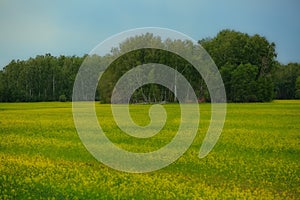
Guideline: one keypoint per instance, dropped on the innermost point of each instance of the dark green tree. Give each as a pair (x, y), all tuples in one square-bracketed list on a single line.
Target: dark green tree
[(297, 89), (247, 65), (243, 83), (285, 80), (232, 50)]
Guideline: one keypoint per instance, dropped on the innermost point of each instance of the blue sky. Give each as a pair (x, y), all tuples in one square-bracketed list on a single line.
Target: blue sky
[(33, 27)]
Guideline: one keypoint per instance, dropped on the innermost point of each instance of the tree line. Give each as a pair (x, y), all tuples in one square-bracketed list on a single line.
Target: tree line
[(247, 64), (43, 78)]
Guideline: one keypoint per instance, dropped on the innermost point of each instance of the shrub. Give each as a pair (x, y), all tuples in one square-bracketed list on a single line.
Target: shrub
[(62, 98)]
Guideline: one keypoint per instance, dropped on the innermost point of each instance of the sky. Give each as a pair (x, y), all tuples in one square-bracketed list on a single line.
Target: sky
[(36, 27)]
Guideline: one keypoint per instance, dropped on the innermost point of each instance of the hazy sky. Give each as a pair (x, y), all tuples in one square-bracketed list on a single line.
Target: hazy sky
[(33, 27)]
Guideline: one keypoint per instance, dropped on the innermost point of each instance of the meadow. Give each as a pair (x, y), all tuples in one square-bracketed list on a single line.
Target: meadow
[(256, 157)]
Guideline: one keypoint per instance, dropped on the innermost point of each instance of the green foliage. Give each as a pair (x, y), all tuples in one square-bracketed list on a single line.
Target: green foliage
[(256, 157), (231, 51), (62, 98), (265, 89), (42, 78), (235, 48), (243, 84), (45, 77), (297, 92), (2, 87), (285, 80), (149, 93)]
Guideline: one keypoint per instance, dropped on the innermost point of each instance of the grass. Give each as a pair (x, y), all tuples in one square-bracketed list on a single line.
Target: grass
[(257, 155)]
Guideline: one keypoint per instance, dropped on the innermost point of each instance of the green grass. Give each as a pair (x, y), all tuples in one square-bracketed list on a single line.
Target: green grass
[(257, 155)]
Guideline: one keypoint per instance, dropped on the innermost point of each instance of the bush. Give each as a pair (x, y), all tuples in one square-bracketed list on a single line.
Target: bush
[(62, 98)]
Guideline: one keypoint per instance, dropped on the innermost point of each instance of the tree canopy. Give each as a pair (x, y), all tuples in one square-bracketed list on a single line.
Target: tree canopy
[(247, 65), (43, 78), (285, 79)]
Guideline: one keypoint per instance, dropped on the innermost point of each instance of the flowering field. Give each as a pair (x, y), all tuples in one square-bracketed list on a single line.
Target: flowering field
[(257, 155)]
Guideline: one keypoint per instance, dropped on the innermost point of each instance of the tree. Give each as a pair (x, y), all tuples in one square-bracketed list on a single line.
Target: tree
[(243, 83), (150, 92), (2, 87), (232, 50), (42, 78), (297, 89), (247, 65), (285, 80)]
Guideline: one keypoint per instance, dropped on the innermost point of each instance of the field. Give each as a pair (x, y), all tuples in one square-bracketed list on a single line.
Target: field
[(257, 155)]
